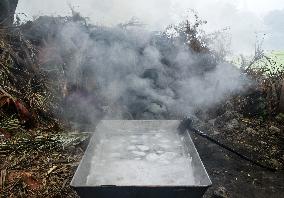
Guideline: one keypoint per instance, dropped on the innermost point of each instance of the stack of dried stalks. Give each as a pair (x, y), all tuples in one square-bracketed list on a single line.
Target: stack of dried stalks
[(26, 99)]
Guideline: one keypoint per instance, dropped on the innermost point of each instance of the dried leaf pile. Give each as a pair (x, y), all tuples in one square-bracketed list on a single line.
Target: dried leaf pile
[(26, 99), (40, 165), (37, 159)]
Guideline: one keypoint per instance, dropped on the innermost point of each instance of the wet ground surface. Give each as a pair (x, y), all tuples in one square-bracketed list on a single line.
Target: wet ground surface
[(234, 177)]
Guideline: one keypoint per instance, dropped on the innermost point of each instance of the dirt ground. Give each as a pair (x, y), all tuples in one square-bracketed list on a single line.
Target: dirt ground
[(253, 137), (236, 178), (46, 170)]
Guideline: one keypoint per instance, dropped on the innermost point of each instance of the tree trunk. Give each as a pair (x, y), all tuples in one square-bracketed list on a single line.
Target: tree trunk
[(7, 12)]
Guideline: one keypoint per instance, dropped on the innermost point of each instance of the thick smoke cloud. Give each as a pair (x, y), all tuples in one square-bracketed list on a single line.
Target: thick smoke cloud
[(132, 73)]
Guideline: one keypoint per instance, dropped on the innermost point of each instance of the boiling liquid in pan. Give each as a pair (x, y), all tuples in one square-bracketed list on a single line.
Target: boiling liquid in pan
[(137, 159)]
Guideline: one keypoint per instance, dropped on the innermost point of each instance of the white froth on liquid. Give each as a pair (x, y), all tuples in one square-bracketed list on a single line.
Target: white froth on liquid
[(155, 158)]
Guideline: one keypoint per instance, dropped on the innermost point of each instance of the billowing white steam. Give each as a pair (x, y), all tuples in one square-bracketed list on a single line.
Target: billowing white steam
[(141, 75)]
